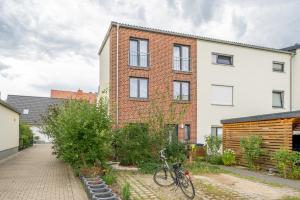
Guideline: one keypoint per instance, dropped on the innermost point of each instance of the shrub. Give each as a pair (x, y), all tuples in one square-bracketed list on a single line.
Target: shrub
[(288, 163), (80, 132), (110, 177), (251, 147), (26, 136), (213, 149), (228, 157), (126, 191), (148, 167), (200, 167)]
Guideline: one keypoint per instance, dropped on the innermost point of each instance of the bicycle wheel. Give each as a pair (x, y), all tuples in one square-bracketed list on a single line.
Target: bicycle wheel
[(186, 186), (163, 177)]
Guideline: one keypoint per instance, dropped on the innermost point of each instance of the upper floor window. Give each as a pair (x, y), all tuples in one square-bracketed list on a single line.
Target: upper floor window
[(278, 99), (181, 58), (278, 67), (138, 53), (222, 59), (181, 90), (138, 88), (222, 95)]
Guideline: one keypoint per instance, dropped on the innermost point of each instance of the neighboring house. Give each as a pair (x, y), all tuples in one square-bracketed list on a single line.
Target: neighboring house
[(9, 130), (79, 95), (215, 79), (32, 110)]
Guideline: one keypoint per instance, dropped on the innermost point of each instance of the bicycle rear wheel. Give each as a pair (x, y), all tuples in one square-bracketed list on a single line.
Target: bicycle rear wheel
[(186, 186), (163, 177)]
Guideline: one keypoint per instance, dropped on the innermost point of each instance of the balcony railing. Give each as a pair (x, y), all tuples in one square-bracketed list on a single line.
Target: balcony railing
[(181, 64), (139, 59)]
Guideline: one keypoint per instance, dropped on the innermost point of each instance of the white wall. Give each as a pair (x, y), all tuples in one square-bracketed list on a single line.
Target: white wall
[(9, 128), (104, 67), (296, 81), (251, 76)]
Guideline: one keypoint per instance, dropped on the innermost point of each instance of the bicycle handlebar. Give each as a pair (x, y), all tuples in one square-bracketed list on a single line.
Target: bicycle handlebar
[(162, 153)]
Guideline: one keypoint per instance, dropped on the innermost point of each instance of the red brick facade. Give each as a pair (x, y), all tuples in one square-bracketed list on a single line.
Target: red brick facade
[(160, 76), (79, 95)]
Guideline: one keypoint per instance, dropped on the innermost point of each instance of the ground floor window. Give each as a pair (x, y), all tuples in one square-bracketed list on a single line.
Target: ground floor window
[(187, 132), (217, 131)]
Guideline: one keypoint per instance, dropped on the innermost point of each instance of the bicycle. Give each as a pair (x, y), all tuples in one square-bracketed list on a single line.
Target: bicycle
[(165, 177)]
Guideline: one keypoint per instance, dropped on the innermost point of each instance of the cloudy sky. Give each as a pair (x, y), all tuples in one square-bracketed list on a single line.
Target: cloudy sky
[(53, 43)]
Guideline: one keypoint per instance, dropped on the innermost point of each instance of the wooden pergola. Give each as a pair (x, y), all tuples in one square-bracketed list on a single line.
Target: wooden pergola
[(277, 131)]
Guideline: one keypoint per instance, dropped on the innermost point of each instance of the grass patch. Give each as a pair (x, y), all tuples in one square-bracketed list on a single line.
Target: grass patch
[(215, 191), (199, 167), (290, 198)]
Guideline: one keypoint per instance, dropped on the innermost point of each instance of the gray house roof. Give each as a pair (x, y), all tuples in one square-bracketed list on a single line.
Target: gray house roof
[(292, 48), (37, 107), (188, 36), (283, 115), (6, 105)]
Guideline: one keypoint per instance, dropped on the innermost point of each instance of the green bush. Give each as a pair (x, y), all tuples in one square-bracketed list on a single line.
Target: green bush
[(228, 157), (148, 167), (80, 132), (288, 163), (110, 177), (126, 191), (200, 167), (213, 145), (26, 136), (252, 151)]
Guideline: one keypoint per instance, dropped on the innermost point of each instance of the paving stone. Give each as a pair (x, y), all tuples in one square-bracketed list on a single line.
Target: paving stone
[(35, 174)]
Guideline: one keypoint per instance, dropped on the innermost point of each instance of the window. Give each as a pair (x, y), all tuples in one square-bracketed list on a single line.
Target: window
[(278, 67), (138, 53), (139, 88), (222, 95), (181, 90), (25, 111), (217, 131), (187, 132), (278, 99), (222, 59), (173, 132), (181, 58)]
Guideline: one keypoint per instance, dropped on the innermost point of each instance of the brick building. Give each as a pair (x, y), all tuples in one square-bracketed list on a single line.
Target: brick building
[(79, 95), (213, 79)]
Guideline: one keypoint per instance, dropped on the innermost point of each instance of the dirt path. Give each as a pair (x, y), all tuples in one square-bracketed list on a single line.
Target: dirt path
[(220, 186)]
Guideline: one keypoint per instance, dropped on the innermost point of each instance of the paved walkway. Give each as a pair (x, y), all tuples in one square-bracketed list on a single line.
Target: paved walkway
[(35, 174), (263, 177)]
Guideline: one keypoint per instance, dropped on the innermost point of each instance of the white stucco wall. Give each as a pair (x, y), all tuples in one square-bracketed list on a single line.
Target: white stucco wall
[(104, 60), (251, 76), (37, 132), (9, 128), (296, 80)]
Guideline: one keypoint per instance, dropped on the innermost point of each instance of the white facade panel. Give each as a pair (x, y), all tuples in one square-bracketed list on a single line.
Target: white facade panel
[(9, 129), (296, 81), (104, 67), (251, 77)]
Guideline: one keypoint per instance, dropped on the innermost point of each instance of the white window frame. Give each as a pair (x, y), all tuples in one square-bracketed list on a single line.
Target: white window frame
[(220, 104), (25, 111)]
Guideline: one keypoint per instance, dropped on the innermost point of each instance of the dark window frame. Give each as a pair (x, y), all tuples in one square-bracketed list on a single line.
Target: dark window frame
[(280, 63), (225, 55), (138, 40), (281, 93), (138, 87), (189, 132), (189, 90), (180, 57)]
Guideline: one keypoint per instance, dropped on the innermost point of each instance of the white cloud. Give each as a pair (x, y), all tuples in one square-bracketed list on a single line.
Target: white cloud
[(54, 43)]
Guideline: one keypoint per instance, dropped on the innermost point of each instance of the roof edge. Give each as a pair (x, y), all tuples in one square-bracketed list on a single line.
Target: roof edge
[(113, 23), (265, 117), (8, 106)]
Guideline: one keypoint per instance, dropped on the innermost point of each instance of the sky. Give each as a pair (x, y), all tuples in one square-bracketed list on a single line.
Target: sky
[(53, 44)]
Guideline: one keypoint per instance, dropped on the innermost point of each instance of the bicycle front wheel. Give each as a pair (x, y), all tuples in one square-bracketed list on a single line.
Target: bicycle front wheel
[(186, 186), (163, 177)]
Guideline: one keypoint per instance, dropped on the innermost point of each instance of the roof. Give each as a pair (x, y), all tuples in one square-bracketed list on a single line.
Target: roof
[(37, 107), (6, 105), (292, 48), (283, 115), (188, 36)]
